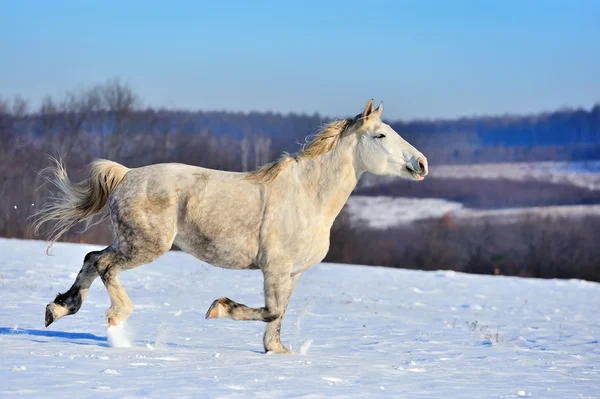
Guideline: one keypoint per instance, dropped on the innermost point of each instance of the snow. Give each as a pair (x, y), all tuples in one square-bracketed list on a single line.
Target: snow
[(357, 332), (554, 172), (384, 211), (119, 336), (582, 174), (509, 215)]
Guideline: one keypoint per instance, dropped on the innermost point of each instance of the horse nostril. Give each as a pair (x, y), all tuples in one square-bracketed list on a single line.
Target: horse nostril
[(422, 164)]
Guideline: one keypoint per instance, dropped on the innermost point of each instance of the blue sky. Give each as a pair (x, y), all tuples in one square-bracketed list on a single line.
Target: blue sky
[(424, 59)]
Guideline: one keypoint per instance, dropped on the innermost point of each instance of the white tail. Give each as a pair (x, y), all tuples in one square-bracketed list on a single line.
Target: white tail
[(77, 202)]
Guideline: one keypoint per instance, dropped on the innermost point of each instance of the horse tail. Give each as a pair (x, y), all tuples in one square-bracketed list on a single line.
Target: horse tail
[(77, 202)]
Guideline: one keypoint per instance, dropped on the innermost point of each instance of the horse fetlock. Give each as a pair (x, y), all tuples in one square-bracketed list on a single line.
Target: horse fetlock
[(64, 304), (71, 300), (116, 315), (271, 316)]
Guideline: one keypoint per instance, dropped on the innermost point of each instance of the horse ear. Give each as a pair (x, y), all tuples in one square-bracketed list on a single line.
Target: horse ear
[(379, 110), (368, 109)]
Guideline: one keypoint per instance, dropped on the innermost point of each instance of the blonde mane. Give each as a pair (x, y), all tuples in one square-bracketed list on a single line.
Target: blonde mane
[(322, 142)]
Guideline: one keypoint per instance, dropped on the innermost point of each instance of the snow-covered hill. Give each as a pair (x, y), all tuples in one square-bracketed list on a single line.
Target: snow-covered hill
[(384, 212), (581, 174), (358, 332)]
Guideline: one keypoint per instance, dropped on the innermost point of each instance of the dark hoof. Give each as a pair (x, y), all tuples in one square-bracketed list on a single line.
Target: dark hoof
[(49, 316)]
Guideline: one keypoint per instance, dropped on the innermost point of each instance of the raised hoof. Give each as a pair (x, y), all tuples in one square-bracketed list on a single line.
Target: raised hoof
[(216, 310), (49, 315)]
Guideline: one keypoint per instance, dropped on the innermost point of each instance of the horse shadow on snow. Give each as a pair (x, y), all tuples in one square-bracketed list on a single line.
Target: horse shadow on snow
[(78, 338)]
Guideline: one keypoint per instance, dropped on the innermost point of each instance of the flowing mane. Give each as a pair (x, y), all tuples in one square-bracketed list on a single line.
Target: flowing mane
[(322, 142)]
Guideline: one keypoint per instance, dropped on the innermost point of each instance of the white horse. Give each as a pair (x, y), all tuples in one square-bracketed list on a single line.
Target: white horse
[(276, 219)]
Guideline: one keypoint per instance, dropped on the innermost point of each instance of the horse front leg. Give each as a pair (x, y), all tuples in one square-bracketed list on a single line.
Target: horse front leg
[(272, 337), (278, 287)]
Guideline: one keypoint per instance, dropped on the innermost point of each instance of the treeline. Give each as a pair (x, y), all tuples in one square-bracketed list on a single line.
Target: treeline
[(108, 121), (561, 127), (488, 193), (113, 110), (532, 247)]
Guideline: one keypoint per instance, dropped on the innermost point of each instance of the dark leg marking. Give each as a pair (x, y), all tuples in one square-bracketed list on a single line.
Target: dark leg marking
[(70, 302)]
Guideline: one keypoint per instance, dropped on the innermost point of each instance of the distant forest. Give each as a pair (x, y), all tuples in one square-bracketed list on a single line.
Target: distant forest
[(112, 111)]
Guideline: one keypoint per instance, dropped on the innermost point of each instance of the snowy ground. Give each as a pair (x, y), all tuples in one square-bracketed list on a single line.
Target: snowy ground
[(384, 212), (360, 331), (581, 174), (555, 172)]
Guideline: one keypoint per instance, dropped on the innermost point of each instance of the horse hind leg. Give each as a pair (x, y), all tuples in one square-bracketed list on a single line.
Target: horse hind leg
[(70, 302), (120, 258), (109, 267), (107, 264), (95, 263), (142, 235)]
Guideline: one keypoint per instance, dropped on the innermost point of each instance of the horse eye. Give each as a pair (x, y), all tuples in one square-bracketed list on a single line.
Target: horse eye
[(380, 136)]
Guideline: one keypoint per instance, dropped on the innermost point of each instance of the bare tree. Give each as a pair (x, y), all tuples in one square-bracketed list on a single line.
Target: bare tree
[(64, 122), (20, 107), (120, 102), (10, 113), (163, 123), (245, 147), (50, 119), (262, 150), (5, 120), (78, 107)]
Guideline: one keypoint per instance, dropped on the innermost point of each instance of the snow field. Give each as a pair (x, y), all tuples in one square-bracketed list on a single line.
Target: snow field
[(357, 332)]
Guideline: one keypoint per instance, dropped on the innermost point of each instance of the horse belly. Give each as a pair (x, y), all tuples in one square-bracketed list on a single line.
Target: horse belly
[(223, 252), (219, 221)]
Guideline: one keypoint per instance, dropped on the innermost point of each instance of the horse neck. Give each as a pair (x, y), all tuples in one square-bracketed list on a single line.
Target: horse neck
[(329, 179)]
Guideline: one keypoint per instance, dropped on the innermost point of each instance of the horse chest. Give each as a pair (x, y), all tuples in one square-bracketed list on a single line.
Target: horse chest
[(311, 252)]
